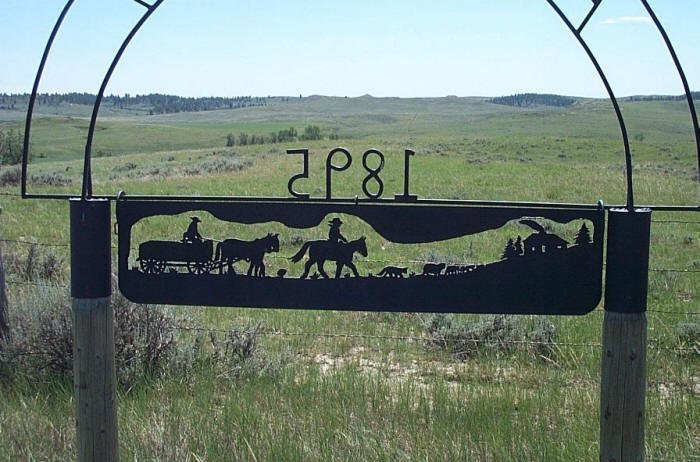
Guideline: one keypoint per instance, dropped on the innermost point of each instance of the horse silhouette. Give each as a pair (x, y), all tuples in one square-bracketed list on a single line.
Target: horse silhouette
[(340, 253), (230, 251)]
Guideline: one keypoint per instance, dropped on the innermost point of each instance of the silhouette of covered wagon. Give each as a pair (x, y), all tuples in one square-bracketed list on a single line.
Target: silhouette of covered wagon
[(155, 256), (199, 256)]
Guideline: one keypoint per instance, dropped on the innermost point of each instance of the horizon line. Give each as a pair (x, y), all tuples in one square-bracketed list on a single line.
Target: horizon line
[(318, 95)]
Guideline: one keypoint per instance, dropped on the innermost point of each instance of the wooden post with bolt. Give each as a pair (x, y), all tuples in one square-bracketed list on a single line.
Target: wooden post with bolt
[(623, 365), (94, 374)]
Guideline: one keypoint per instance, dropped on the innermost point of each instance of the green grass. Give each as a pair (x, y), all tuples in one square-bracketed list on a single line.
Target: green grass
[(373, 398)]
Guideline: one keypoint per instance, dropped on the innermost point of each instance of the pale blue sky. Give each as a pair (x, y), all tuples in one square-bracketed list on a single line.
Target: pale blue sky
[(406, 48)]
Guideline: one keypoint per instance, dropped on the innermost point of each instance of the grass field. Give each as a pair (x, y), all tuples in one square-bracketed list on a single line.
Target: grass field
[(368, 386)]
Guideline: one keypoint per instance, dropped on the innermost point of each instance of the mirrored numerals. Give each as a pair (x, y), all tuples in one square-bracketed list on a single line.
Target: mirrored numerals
[(338, 168), (373, 174), (339, 159), (304, 173)]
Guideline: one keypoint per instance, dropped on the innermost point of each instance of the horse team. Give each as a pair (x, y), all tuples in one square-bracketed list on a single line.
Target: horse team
[(230, 251)]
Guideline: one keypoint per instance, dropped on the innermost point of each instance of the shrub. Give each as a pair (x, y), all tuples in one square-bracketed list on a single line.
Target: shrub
[(50, 179), (144, 340), (40, 334), (10, 176), (127, 167), (237, 353), (160, 171), (39, 263), (11, 147), (41, 338), (233, 353), (464, 337), (257, 139), (218, 165), (147, 342), (311, 132), (286, 135), (542, 337), (688, 333)]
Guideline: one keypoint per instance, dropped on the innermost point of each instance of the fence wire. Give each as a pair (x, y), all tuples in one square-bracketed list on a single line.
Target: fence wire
[(681, 222), (655, 343)]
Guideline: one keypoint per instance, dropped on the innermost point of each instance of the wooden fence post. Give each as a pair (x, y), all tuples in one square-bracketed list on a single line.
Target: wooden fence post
[(93, 331), (4, 323), (623, 364)]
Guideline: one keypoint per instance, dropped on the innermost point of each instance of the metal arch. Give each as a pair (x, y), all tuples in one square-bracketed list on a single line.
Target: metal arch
[(87, 169), (596, 4), (611, 94), (32, 98), (87, 176), (681, 73)]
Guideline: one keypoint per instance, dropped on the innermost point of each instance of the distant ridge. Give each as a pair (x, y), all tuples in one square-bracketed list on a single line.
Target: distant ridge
[(156, 103), (694, 94)]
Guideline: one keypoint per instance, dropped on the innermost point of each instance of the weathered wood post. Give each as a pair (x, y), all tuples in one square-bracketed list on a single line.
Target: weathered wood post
[(4, 323), (93, 331), (623, 374)]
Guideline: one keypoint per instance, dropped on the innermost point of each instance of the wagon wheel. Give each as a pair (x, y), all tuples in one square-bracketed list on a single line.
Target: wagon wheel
[(198, 267), (152, 266)]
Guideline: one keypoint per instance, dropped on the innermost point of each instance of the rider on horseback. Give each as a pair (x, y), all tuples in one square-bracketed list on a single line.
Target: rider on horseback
[(334, 235)]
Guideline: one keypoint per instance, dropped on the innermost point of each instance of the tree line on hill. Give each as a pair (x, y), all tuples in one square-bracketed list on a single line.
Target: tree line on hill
[(694, 94), (533, 99), (311, 132), (538, 99), (155, 103)]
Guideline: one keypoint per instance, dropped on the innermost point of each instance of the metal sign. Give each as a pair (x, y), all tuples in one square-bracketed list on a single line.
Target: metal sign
[(538, 271)]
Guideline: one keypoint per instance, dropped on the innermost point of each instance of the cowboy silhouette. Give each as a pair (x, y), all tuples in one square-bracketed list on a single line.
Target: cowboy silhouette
[(334, 235), (192, 235)]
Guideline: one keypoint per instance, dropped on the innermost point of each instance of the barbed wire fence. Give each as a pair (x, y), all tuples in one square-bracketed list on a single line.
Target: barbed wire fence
[(657, 344)]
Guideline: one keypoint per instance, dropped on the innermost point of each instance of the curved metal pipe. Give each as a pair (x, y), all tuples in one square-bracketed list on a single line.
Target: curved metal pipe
[(681, 73), (613, 99), (87, 168), (32, 98), (87, 174)]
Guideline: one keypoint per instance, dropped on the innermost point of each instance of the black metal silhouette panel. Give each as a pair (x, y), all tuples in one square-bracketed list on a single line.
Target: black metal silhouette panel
[(306, 255)]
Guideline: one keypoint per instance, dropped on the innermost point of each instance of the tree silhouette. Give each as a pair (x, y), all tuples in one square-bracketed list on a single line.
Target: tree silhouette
[(287, 135), (584, 236), (11, 145), (311, 132), (509, 251)]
